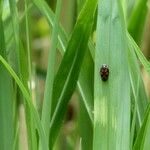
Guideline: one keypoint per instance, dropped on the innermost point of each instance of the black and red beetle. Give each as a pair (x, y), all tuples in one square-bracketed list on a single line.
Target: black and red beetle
[(104, 72)]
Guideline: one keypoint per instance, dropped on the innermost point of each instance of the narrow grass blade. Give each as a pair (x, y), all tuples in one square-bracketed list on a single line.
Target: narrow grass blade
[(26, 76), (67, 75), (137, 20), (140, 100), (111, 97), (7, 126), (29, 103), (28, 45), (46, 109), (85, 128), (137, 85), (133, 126)]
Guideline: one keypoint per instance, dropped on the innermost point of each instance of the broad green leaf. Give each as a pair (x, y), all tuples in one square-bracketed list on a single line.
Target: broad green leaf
[(137, 20), (67, 75), (111, 97)]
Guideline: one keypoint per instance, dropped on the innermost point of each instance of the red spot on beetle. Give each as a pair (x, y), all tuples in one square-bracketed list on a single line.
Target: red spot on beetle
[(104, 72)]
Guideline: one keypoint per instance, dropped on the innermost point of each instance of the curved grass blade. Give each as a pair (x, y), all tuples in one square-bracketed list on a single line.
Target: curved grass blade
[(87, 95), (111, 97), (67, 75), (29, 103), (32, 144)]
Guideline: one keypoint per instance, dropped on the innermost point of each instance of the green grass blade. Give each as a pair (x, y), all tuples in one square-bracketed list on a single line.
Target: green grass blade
[(26, 76), (67, 75), (137, 20), (85, 124), (15, 26), (86, 84), (29, 103), (28, 43), (140, 55), (142, 140), (111, 98), (137, 85), (85, 128), (87, 95), (7, 127), (140, 100), (80, 4), (46, 109), (133, 126)]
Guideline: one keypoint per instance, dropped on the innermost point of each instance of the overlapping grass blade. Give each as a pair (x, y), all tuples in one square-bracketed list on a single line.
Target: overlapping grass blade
[(111, 98), (87, 95), (7, 124), (137, 20), (27, 100), (137, 83), (67, 75), (140, 102), (19, 57)]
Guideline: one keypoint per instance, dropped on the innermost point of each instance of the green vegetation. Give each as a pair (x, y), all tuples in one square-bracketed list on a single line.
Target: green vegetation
[(52, 95)]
